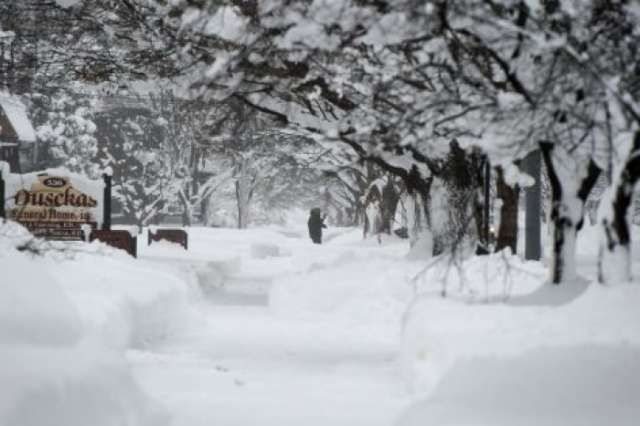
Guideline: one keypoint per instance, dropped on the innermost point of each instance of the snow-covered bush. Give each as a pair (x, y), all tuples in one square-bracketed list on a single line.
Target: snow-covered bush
[(496, 276)]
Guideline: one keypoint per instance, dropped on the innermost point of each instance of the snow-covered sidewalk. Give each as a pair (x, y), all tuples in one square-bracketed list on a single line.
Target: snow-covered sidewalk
[(247, 368), (253, 362), (263, 327), (340, 334)]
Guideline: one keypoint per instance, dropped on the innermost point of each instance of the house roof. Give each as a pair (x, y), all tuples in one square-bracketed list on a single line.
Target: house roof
[(12, 108)]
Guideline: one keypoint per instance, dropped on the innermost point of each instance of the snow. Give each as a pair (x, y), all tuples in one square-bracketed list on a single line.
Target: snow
[(67, 318), (254, 362), (548, 355), (228, 24), (67, 3), (24, 318), (260, 326), (263, 250), (588, 385), (508, 100), (337, 320), (390, 29), (334, 290), (514, 176), (16, 112)]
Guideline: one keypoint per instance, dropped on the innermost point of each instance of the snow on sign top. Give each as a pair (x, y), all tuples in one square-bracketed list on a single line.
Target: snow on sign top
[(16, 112)]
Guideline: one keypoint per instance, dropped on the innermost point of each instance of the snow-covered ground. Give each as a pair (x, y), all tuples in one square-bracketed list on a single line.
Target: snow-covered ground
[(288, 336), (262, 327), (67, 317)]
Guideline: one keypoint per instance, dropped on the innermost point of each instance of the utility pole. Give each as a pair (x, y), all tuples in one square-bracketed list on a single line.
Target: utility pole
[(533, 199)]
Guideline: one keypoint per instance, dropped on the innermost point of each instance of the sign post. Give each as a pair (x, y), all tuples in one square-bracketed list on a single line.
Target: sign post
[(106, 221), (2, 213)]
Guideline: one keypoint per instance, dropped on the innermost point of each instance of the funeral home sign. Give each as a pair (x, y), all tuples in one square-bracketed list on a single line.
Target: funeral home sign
[(55, 204)]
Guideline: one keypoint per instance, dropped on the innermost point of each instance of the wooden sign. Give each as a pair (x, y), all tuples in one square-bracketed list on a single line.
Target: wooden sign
[(118, 239), (55, 204), (178, 236)]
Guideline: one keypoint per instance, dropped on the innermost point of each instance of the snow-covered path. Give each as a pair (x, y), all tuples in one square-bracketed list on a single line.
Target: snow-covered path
[(263, 328), (245, 368), (244, 365)]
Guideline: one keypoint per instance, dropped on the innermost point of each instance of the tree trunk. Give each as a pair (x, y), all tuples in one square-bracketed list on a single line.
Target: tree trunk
[(373, 221), (438, 210), (243, 194), (486, 208), (420, 190), (242, 202), (388, 205), (508, 230), (456, 208), (186, 217), (417, 207), (567, 208), (614, 258), (533, 208), (186, 210)]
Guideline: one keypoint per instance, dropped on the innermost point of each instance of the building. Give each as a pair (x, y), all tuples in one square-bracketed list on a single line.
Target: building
[(17, 136)]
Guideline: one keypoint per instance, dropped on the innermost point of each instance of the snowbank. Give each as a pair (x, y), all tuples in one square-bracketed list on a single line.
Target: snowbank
[(497, 276), (68, 312), (542, 356), (349, 287), (131, 303), (264, 250), (438, 333), (440, 330), (586, 385), (71, 385), (24, 316), (347, 280)]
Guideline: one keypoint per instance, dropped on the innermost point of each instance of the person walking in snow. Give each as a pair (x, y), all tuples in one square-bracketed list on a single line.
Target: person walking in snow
[(316, 223)]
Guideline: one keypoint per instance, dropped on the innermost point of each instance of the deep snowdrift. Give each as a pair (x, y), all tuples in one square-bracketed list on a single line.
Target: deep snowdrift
[(502, 347), (67, 315), (348, 281), (583, 385), (508, 348)]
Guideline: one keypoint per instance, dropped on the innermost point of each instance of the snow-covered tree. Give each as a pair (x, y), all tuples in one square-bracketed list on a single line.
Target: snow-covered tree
[(407, 78), (131, 144), (398, 82), (66, 134)]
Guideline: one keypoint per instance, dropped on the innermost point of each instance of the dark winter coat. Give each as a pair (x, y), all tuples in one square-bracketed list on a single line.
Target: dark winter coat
[(316, 223)]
